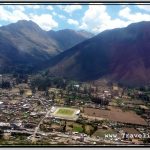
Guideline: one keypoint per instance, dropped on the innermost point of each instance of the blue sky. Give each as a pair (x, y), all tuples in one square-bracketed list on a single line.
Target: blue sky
[(93, 18)]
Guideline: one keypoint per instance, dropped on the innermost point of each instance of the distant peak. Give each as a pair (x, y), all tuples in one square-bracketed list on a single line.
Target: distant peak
[(68, 30), (26, 22), (23, 21)]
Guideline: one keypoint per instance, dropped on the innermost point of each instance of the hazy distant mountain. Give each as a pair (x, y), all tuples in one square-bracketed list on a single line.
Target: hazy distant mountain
[(121, 55), (68, 38), (25, 44)]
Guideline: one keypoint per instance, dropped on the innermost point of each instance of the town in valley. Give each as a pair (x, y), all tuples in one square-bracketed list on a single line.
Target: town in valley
[(44, 110)]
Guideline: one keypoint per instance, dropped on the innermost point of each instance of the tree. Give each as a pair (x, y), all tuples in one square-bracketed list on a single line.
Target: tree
[(53, 95), (61, 93), (47, 93), (33, 89), (6, 85), (21, 91)]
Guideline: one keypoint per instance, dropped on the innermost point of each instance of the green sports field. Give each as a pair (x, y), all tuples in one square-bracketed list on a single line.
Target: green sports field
[(65, 113)]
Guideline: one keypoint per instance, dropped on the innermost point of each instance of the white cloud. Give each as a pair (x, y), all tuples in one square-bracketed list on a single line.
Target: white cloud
[(4, 14), (23, 7), (96, 19), (124, 11), (18, 15), (84, 26), (73, 22), (54, 13), (61, 16), (144, 7), (16, 7), (45, 21), (58, 15), (13, 16), (70, 8), (49, 7), (133, 17)]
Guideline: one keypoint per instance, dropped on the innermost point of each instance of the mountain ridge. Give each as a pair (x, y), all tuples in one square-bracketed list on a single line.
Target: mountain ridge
[(26, 43), (121, 54)]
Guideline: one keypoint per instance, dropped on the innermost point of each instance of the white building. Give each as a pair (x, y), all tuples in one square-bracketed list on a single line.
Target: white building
[(1, 102), (77, 112)]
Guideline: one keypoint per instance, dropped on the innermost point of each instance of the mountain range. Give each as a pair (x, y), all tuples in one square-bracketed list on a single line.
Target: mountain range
[(121, 55), (25, 45)]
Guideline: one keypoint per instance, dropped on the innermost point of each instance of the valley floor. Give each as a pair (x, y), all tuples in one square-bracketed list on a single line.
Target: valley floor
[(75, 114)]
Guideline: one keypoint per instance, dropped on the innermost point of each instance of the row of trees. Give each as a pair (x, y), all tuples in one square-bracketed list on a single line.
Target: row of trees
[(8, 83), (100, 100), (145, 97), (43, 83), (5, 85)]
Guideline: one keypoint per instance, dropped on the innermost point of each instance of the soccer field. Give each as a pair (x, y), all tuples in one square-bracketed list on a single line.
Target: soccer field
[(65, 113)]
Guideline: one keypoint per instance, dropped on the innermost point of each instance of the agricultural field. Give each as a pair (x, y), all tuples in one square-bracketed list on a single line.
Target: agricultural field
[(80, 128), (116, 114), (65, 113)]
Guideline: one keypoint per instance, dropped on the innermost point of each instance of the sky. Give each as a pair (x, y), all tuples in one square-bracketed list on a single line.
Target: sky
[(92, 18)]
